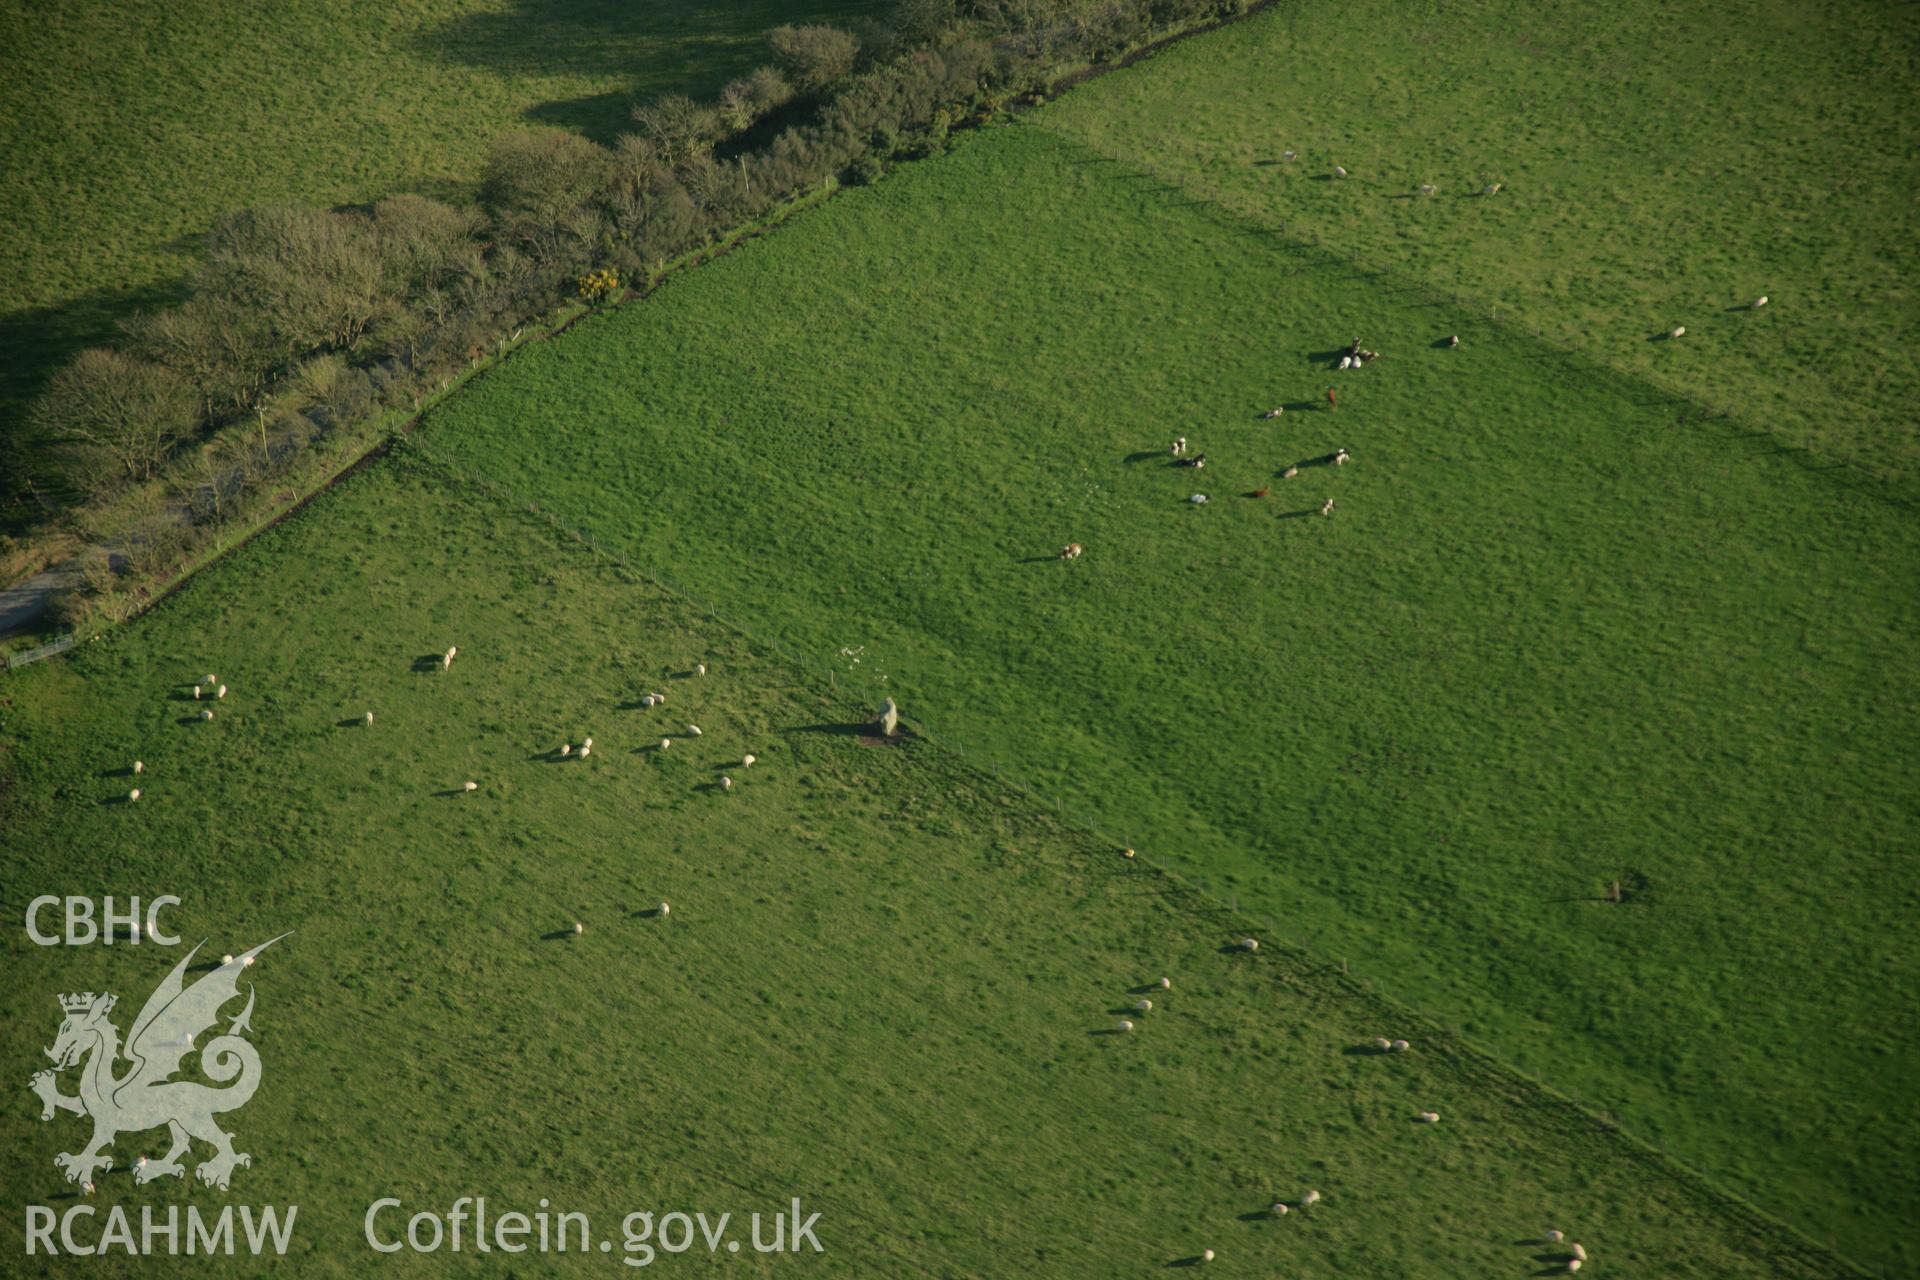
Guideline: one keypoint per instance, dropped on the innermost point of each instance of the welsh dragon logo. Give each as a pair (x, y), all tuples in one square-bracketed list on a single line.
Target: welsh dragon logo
[(146, 1095)]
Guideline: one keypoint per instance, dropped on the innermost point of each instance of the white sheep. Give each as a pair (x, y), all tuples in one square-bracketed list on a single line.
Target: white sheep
[(226, 959), (87, 1187), (746, 760), (470, 786), (1346, 362), (1326, 508), (726, 783), (1401, 1046), (207, 714), (1555, 1235), (1126, 853), (133, 795), (1491, 189), (578, 928), (1198, 499), (1678, 331), (693, 731), (1760, 302), (566, 748), (1143, 1006), (1312, 1197), (246, 962), (665, 743), (1573, 1264), (587, 745), (1276, 412), (1453, 340), (222, 693), (196, 693), (1579, 1253), (1166, 984), (1289, 156), (586, 751), (1123, 1026), (1430, 1117), (1278, 1208), (665, 909), (699, 668), (1428, 189), (1206, 1255), (647, 701), (139, 767), (213, 679), (1249, 944), (1339, 171), (369, 717), (1382, 1045)]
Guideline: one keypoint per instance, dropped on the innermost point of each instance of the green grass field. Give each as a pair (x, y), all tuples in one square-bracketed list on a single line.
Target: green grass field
[(882, 986), (1661, 166), (126, 132), (1548, 640)]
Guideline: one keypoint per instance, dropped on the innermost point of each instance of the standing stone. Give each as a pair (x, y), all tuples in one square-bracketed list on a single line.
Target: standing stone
[(889, 720)]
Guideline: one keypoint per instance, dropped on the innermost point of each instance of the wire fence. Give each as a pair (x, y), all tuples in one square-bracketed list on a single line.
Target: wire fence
[(1318, 977), (47, 650)]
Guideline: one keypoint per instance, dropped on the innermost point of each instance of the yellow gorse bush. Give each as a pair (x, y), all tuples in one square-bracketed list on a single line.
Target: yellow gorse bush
[(598, 286)]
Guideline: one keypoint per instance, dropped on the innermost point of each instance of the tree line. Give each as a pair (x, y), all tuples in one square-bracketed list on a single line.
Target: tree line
[(299, 319)]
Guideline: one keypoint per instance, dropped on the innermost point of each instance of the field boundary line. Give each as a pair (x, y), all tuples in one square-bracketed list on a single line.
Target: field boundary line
[(1789, 1251)]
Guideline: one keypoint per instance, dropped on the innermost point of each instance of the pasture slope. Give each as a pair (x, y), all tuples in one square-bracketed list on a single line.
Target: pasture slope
[(1661, 165), (884, 985), (126, 131), (1550, 638)]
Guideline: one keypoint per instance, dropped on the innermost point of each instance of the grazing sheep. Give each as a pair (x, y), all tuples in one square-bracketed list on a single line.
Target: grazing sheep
[(726, 783), (665, 908), (1326, 508), (1760, 302), (647, 701), (222, 693), (1143, 1006), (87, 1187), (196, 693), (1430, 1117), (1401, 1046), (1579, 1253), (1339, 171), (1126, 853), (1274, 413), (1312, 1197), (1341, 458), (369, 717), (1290, 473), (665, 743), (1427, 189), (1492, 188), (1249, 944), (1382, 1045), (699, 668), (133, 795), (138, 767), (1206, 1255), (226, 959), (1289, 156), (1179, 446), (586, 751), (1197, 499), (693, 731), (1555, 1235), (1278, 1208), (470, 786), (746, 760), (247, 963), (1573, 1264), (578, 928), (1453, 340), (1071, 551), (212, 679), (660, 698), (587, 745), (1166, 984), (566, 748), (1123, 1026), (1678, 331), (1346, 362), (207, 714)]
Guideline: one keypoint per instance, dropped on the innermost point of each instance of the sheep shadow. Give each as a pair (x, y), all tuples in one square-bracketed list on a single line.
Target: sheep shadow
[(636, 704), (559, 935), (551, 757), (1368, 1051), (205, 966), (644, 913), (1660, 337), (450, 792), (428, 663), (1259, 1215), (1107, 1031), (1295, 515), (1123, 1011), (124, 771), (709, 786), (1255, 493), (1328, 357), (109, 801), (1302, 406), (1267, 164), (350, 722), (1147, 990), (1442, 344), (1038, 559), (1143, 455), (1234, 949), (1325, 177), (178, 696), (688, 674), (188, 720), (1196, 1260)]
